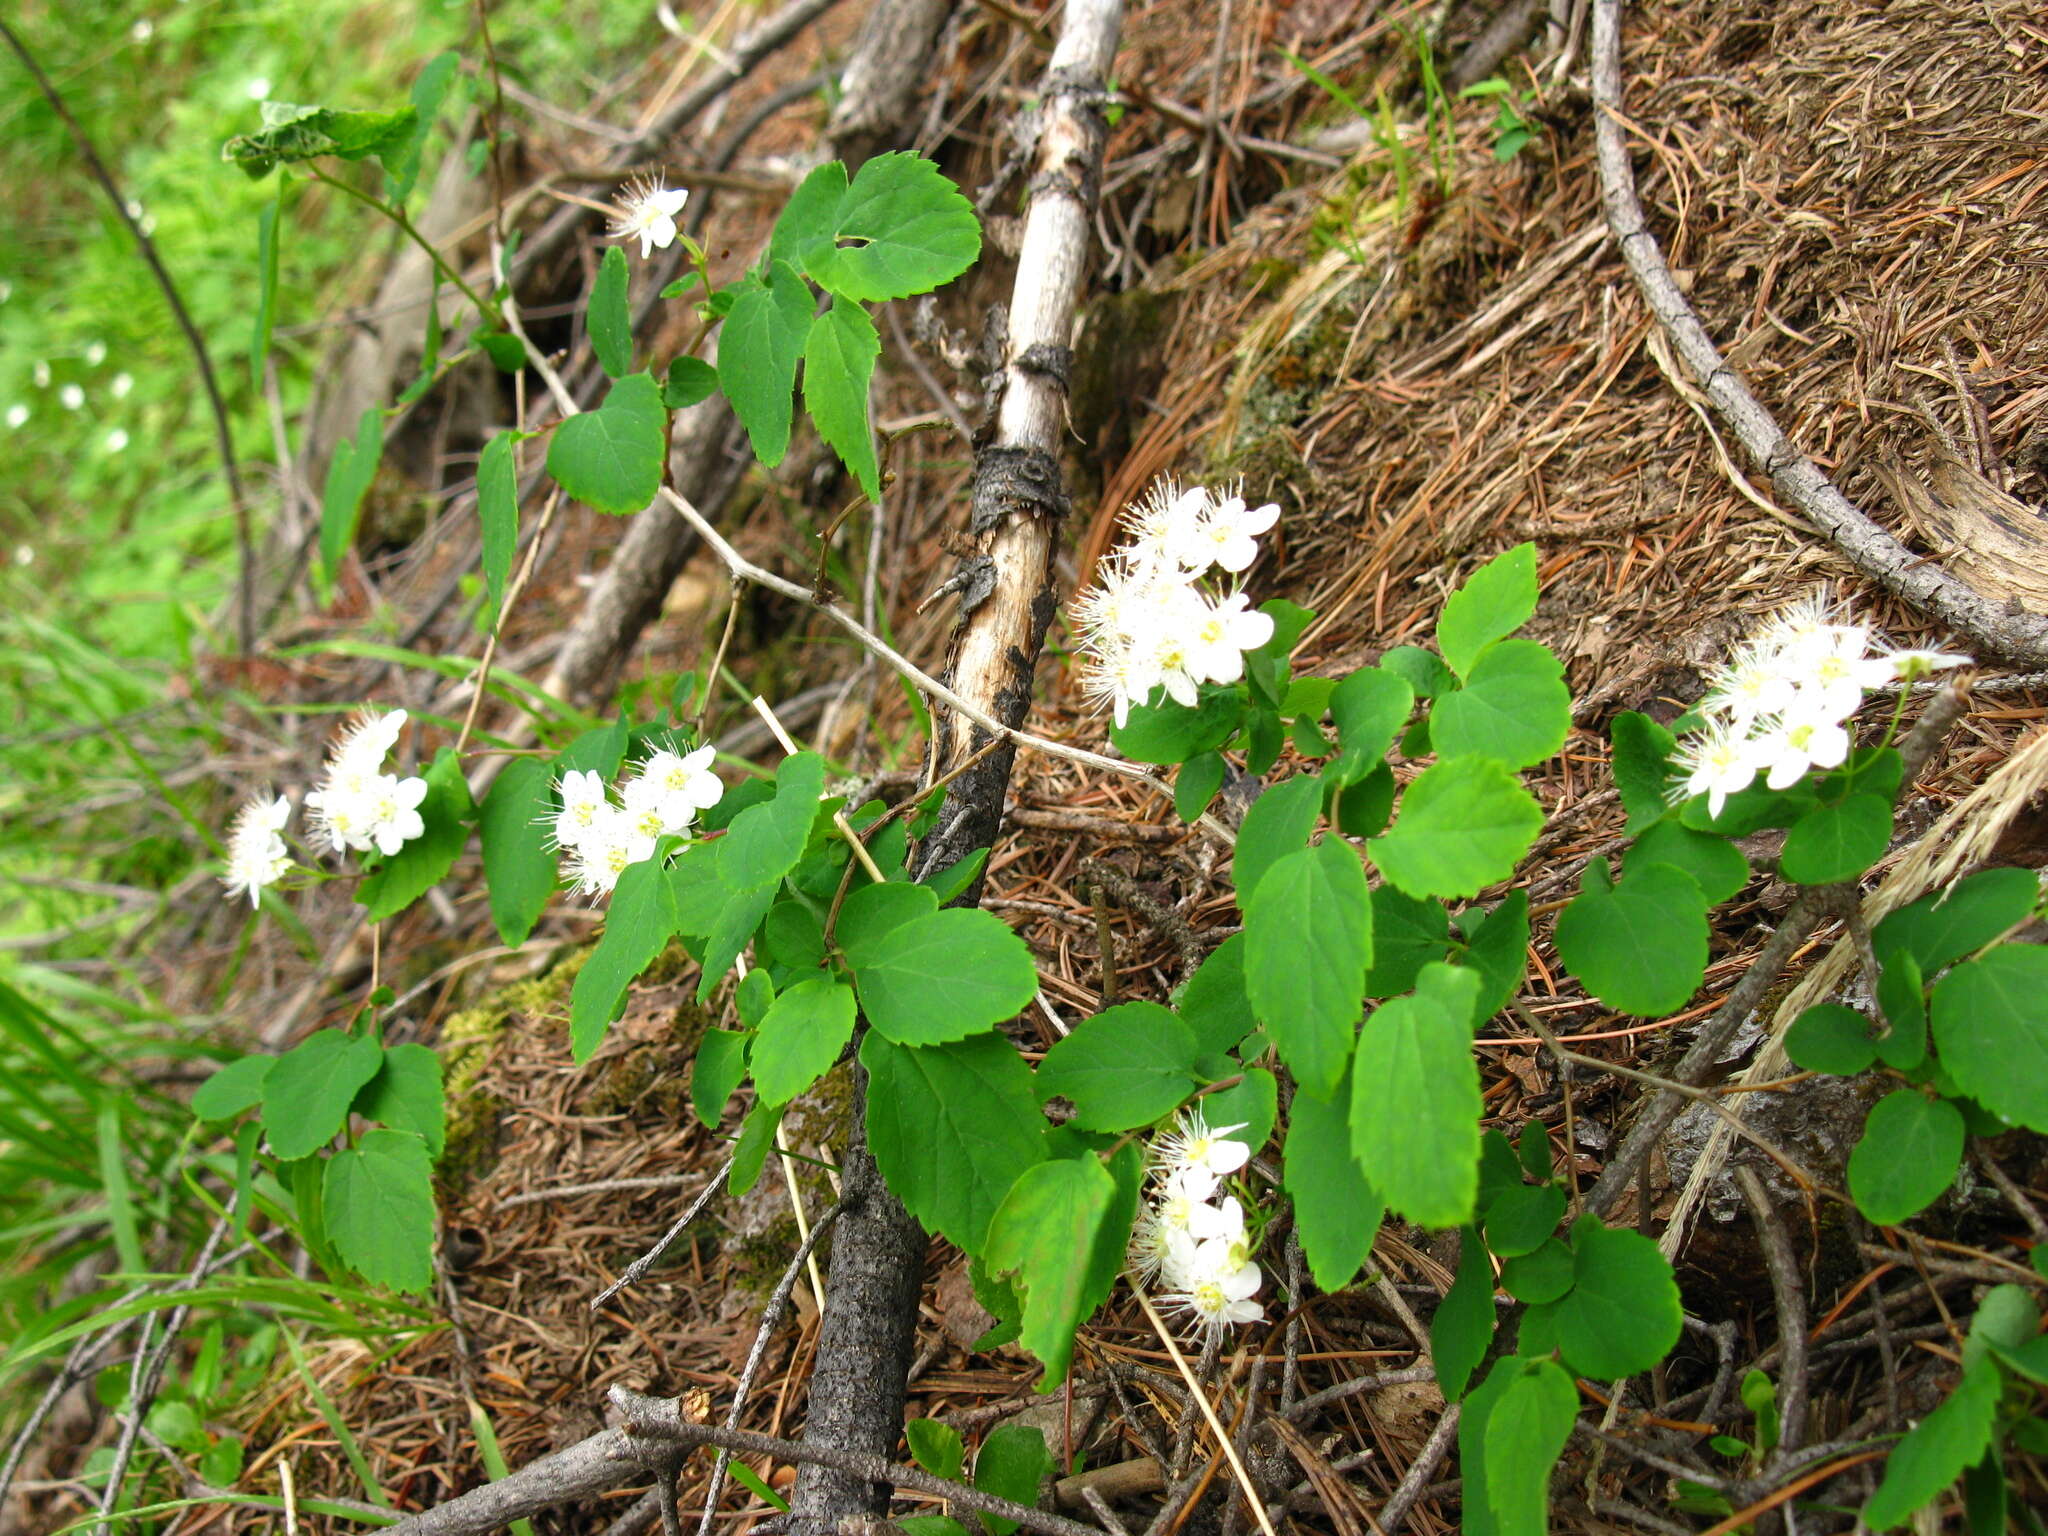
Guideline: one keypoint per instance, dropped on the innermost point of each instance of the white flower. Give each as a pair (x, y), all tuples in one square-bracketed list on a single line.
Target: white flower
[(1754, 684), (1797, 743), (6, 290), (359, 756), (607, 851), (17, 416), (117, 440), (1121, 677), (1224, 633), (678, 784), (96, 354), (1218, 1291), (1194, 1147), (1224, 533), (1183, 1203), (585, 801), (393, 805), (357, 805), (143, 30), (1717, 762), (1834, 673), (24, 554), (1160, 524), (257, 856), (42, 375), (123, 382), (72, 397), (1909, 666), (257, 88), (647, 213)]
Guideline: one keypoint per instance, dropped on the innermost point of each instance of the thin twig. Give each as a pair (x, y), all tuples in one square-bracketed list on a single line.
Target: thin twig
[(652, 1256), (1394, 1512), (1790, 1297), (1201, 1400), (223, 436)]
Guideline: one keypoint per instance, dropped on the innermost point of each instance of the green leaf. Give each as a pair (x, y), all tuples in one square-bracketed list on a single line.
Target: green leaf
[(599, 750), (609, 317), (688, 381), (233, 1088), (1213, 1002), (1464, 824), (1497, 947), (1168, 733), (1370, 707), (936, 1447), (1415, 1102), (758, 352), (1715, 864), (497, 505), (406, 876), (506, 352), (1622, 1314), (809, 217), (1642, 768), (750, 1154), (999, 1298), (349, 474), (1831, 1038), (378, 1208), (1496, 600), (1525, 1434), (1641, 946), (266, 285), (1521, 1218), (1543, 1274), (1837, 842), (1253, 1106), (1514, 708), (1423, 671), (1011, 1463), (1476, 1499), (612, 458), (952, 1126), (802, 1035), (1407, 933), (637, 927), (1196, 784), (1984, 1496), (406, 1095), (519, 866), (1993, 1032), (1308, 944), (901, 229), (1463, 1326), (872, 912), (1335, 1206), (1278, 823), (1909, 1154), (742, 1474), (1062, 1229), (1750, 810), (1902, 1003), (1943, 926), (1937, 1450), (839, 360), (944, 976), (402, 164), (739, 914), (1266, 667), (720, 1066), (765, 841), (310, 1087), (1126, 1067), (292, 133), (752, 998), (952, 882)]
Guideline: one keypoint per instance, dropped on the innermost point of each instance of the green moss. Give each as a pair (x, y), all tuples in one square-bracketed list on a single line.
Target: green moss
[(468, 1041)]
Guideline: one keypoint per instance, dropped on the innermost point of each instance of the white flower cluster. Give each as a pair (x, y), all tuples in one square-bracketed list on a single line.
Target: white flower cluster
[(1778, 705), (1154, 618), (604, 837), (1191, 1234), (646, 211), (358, 805), (257, 855)]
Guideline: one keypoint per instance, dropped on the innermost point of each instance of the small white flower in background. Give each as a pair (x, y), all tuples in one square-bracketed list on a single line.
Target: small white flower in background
[(1156, 616), (123, 382), (96, 354), (585, 800), (257, 856), (646, 212), (1797, 743), (6, 290), (1191, 1235), (358, 805), (117, 440), (72, 396), (1910, 666), (24, 554), (1754, 684), (42, 375), (17, 416), (257, 88), (143, 30)]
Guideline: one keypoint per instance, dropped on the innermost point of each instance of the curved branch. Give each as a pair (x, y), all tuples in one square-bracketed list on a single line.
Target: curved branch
[(2017, 637)]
